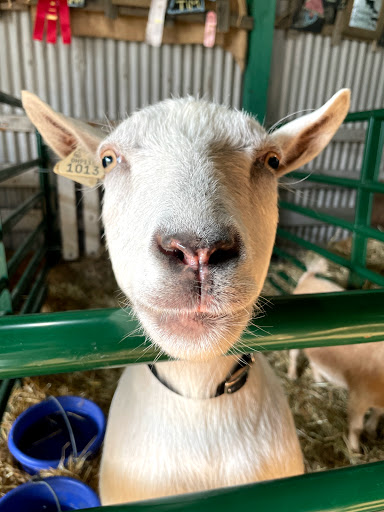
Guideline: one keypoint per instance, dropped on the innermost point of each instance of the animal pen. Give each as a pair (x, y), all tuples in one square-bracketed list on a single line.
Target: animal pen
[(82, 340)]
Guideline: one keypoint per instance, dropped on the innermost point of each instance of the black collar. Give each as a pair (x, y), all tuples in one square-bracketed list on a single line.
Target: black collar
[(234, 381)]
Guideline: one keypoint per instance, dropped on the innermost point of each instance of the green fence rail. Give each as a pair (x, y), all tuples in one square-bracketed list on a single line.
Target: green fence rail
[(37, 252), (83, 340), (356, 489), (360, 228), (33, 253)]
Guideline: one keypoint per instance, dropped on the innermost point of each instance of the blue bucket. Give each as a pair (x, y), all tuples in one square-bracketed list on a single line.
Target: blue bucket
[(53, 494), (47, 432)]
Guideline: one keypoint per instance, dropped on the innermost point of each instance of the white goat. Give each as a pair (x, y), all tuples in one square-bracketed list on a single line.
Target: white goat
[(358, 368), (190, 215)]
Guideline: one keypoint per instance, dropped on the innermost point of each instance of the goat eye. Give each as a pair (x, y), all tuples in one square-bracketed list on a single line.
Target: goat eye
[(272, 160), (109, 159), (106, 161)]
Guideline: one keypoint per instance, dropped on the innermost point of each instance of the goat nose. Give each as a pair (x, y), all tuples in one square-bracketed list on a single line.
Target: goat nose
[(194, 253)]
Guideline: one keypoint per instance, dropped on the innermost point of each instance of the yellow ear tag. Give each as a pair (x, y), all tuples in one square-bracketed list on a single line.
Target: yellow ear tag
[(80, 167)]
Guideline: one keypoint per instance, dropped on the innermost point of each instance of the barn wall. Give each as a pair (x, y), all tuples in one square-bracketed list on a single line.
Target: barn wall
[(306, 70), (100, 80)]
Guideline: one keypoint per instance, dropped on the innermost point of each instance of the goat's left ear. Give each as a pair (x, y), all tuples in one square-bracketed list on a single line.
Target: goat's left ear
[(303, 139)]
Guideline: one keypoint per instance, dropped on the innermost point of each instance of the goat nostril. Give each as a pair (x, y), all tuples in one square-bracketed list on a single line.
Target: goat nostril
[(180, 250), (171, 252), (179, 255), (224, 256)]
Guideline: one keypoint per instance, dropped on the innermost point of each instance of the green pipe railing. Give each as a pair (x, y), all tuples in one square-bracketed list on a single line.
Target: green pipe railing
[(40, 255), (10, 100), (327, 179), (278, 251), (27, 277), (36, 295), (280, 290), (365, 115), (334, 221), (369, 172), (360, 228), (353, 489), (288, 279), (15, 170), (10, 300), (5, 296), (339, 260), (20, 211), (26, 246), (83, 340)]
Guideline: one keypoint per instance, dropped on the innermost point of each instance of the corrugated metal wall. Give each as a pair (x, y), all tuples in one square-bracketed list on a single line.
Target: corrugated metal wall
[(98, 79), (306, 71)]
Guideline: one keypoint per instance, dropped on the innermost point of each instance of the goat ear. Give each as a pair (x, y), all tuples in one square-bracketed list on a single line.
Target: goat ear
[(63, 134), (302, 140)]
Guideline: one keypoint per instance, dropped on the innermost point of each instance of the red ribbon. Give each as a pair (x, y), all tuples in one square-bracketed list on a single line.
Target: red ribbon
[(52, 10)]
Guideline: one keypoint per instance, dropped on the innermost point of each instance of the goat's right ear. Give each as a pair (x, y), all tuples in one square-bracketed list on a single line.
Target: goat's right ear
[(302, 140), (63, 134)]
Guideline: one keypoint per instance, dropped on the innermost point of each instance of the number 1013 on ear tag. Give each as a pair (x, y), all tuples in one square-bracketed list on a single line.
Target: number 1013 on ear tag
[(80, 167)]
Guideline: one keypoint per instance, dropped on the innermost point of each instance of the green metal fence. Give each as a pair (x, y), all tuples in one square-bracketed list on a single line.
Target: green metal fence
[(63, 342), (31, 278), (360, 229), (22, 275)]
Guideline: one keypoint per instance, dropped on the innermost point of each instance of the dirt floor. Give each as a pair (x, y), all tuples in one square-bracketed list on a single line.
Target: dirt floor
[(319, 409)]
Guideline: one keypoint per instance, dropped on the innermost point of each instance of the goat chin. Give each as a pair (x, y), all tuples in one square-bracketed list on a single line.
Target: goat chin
[(193, 336)]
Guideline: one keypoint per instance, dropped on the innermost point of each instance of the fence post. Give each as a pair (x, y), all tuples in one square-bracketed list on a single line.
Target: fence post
[(370, 170), (52, 235), (256, 79)]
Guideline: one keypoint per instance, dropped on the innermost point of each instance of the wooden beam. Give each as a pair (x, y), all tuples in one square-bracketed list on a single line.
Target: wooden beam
[(15, 124), (245, 23)]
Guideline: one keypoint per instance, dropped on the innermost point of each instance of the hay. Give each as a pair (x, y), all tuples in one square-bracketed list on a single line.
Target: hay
[(374, 260), (320, 414), (88, 283), (98, 385)]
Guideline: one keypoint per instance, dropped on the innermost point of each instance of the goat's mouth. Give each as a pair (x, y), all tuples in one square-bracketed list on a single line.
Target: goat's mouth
[(193, 334), (175, 320), (191, 321)]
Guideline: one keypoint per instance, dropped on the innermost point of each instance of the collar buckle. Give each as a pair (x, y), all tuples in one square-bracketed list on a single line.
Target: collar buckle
[(239, 377)]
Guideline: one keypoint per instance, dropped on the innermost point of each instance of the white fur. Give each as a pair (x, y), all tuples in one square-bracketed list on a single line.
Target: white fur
[(189, 166), (173, 444)]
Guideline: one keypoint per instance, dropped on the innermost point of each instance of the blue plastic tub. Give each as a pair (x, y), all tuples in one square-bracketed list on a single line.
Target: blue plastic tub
[(49, 495), (54, 429)]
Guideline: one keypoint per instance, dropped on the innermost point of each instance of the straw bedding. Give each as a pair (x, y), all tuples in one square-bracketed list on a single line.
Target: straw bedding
[(319, 409)]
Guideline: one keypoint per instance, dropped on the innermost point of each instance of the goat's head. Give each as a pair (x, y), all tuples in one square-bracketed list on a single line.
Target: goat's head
[(190, 209)]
